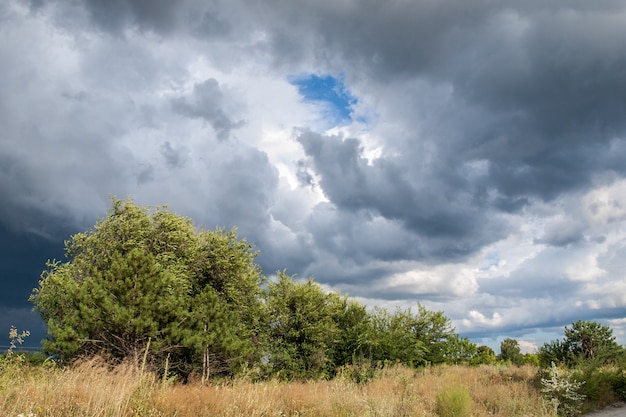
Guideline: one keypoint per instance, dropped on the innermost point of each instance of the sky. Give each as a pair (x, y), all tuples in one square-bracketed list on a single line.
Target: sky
[(465, 155)]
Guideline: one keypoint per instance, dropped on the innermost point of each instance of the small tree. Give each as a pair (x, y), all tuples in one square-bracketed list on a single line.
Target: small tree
[(484, 356), (302, 328), (392, 338), (555, 351), (460, 350), (510, 352)]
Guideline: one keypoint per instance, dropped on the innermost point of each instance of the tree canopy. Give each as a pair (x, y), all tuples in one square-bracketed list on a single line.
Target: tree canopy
[(145, 280), (584, 341), (510, 351)]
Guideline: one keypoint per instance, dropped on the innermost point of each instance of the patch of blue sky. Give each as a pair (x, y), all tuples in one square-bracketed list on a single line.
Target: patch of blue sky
[(492, 261), (328, 91)]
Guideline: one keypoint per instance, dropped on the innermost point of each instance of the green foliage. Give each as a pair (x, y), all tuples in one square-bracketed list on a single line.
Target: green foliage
[(303, 328), (510, 352), (531, 359), (561, 393), (584, 342), (484, 356), (353, 320), (460, 350), (394, 338), (588, 340), (597, 383), (433, 328), (146, 275), (413, 339), (453, 402), (618, 383), (555, 351), (360, 371)]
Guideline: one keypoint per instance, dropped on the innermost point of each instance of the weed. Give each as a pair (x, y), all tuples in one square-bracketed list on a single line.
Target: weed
[(454, 402)]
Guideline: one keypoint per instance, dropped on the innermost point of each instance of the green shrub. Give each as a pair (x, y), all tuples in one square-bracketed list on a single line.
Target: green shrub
[(562, 394), (618, 382), (454, 402), (597, 384)]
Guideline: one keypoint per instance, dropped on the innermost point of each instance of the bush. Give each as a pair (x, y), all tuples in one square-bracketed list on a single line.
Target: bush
[(455, 402), (561, 393), (598, 385)]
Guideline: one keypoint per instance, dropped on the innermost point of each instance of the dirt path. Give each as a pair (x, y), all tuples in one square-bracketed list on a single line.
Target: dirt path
[(616, 410)]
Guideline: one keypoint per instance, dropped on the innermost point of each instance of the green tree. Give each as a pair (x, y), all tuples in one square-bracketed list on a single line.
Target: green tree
[(393, 338), (434, 330), (460, 350), (510, 352), (414, 339), (588, 340), (555, 351), (353, 321), (303, 329), (584, 342), (484, 356), (145, 279)]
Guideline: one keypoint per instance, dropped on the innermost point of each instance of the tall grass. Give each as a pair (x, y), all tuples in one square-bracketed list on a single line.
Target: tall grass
[(94, 389)]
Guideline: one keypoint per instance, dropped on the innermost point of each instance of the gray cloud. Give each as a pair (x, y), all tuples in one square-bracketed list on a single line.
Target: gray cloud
[(444, 213), (207, 102), (173, 157)]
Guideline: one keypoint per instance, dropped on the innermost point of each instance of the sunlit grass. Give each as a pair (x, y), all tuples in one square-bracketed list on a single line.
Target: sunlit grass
[(94, 389)]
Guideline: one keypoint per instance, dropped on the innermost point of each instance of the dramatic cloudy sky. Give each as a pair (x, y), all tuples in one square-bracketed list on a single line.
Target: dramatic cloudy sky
[(468, 155)]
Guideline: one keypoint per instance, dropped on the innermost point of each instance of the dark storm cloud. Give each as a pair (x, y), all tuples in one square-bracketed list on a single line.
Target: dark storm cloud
[(23, 258), (441, 213)]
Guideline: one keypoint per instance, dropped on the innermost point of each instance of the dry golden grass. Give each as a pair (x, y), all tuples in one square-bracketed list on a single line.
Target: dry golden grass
[(93, 389)]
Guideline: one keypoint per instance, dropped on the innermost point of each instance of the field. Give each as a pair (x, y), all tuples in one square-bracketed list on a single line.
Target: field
[(94, 389)]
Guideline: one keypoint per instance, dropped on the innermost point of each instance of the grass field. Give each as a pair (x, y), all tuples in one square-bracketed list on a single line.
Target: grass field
[(94, 389)]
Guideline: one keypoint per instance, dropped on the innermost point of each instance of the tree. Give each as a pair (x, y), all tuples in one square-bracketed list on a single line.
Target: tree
[(353, 322), (460, 350), (588, 340), (303, 328), (584, 341), (555, 351), (414, 339), (433, 328), (484, 356), (392, 338), (145, 281), (510, 352)]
